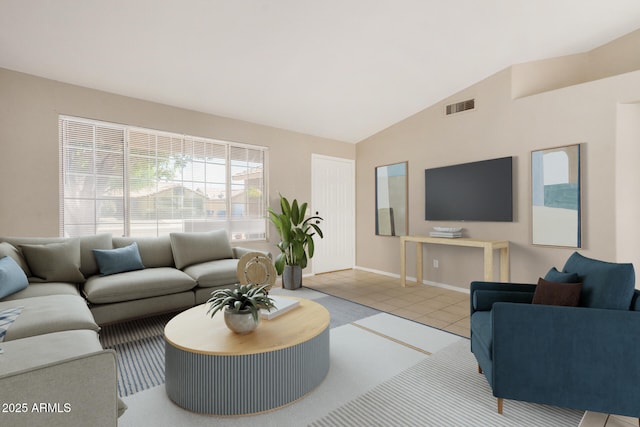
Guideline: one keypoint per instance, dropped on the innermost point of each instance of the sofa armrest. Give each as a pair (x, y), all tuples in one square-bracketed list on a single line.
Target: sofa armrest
[(576, 357), (484, 294), (75, 391)]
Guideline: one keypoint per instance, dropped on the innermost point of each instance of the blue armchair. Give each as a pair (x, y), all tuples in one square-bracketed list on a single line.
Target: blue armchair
[(584, 357)]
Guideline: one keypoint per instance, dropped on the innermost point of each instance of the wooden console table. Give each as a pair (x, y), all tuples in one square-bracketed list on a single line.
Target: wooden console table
[(488, 245)]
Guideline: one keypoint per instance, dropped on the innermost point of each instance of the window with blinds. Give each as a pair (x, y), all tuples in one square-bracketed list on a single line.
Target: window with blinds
[(141, 182)]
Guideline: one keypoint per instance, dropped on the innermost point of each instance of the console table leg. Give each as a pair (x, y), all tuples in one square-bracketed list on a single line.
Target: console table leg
[(403, 262), (504, 264), (488, 264), (419, 263)]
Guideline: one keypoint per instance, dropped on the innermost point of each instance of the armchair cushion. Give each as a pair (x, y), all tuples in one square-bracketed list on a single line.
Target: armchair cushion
[(552, 293), (604, 284)]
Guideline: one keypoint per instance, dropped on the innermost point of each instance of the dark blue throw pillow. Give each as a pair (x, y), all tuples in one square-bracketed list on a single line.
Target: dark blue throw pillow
[(604, 284), (112, 261), (556, 276)]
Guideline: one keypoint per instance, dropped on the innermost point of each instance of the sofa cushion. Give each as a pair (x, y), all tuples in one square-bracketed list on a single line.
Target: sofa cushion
[(194, 248), (154, 251), (7, 249), (553, 275), (604, 284), (7, 317), (554, 293), (12, 277), (88, 263), (137, 284), (112, 261), (55, 262), (53, 313), (40, 289), (214, 273)]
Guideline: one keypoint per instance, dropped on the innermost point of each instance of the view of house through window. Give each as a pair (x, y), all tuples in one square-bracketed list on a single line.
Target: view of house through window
[(130, 181)]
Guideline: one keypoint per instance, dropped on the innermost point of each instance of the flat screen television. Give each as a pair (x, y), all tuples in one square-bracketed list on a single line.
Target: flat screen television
[(477, 191)]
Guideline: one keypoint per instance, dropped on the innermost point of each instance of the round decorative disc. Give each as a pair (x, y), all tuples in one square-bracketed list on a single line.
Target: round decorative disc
[(256, 268)]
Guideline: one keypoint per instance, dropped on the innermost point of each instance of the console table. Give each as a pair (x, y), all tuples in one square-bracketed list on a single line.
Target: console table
[(487, 245)]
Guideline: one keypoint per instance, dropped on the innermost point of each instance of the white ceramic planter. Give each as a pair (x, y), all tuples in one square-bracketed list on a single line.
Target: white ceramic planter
[(240, 322)]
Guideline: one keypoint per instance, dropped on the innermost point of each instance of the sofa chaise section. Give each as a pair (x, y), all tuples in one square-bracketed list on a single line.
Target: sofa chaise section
[(47, 314)]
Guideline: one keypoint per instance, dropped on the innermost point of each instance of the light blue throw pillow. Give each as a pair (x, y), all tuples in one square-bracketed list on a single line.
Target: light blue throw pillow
[(112, 261), (12, 277)]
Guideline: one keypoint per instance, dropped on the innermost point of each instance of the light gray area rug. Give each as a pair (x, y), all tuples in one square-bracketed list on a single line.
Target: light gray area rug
[(373, 381), (360, 360), (443, 390)]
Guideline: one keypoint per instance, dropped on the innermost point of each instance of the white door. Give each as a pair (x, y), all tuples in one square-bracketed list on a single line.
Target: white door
[(333, 199)]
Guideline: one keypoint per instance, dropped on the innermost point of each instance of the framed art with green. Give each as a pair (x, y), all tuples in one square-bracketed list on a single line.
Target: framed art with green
[(556, 196)]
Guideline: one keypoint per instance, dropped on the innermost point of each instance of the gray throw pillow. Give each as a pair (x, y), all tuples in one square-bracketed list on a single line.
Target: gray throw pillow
[(55, 262), (194, 248)]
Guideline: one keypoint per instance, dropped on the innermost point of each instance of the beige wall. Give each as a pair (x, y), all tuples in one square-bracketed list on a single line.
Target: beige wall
[(627, 183), (504, 126), (619, 56), (29, 109)]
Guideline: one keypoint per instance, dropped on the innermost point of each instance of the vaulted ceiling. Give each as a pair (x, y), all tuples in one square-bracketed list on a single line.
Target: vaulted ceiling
[(340, 69)]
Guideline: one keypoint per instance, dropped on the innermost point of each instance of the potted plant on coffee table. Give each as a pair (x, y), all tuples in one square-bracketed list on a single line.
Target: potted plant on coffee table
[(296, 245), (241, 306)]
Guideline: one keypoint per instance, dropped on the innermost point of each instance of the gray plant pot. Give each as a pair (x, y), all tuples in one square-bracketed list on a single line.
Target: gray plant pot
[(240, 321), (292, 277)]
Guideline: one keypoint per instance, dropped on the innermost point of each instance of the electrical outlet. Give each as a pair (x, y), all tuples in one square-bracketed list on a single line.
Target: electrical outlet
[(436, 263)]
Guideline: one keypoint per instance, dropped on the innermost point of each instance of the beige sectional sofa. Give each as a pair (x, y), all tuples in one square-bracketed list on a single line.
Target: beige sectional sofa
[(51, 355)]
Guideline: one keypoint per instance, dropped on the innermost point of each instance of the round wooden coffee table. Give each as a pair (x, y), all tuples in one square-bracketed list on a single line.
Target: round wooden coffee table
[(211, 370)]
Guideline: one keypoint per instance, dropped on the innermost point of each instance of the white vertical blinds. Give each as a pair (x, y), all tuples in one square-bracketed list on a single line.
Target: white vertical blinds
[(142, 182)]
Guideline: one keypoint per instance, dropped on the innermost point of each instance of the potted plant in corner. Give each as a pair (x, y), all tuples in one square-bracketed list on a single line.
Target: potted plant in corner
[(241, 306), (296, 245)]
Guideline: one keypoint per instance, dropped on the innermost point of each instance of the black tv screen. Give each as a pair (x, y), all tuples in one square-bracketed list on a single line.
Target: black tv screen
[(478, 191)]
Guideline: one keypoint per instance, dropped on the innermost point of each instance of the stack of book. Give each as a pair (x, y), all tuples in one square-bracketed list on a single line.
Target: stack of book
[(282, 305), (449, 233)]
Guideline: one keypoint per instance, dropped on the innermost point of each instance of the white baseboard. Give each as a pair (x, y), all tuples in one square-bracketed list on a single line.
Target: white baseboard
[(413, 279)]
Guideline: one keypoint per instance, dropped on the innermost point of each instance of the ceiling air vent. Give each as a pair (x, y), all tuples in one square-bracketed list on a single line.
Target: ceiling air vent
[(459, 107)]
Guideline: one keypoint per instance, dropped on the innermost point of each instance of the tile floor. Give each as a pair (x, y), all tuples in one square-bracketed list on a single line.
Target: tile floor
[(434, 306)]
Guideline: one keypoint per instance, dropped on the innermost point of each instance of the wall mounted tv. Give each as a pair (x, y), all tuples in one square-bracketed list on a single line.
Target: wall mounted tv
[(477, 191)]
